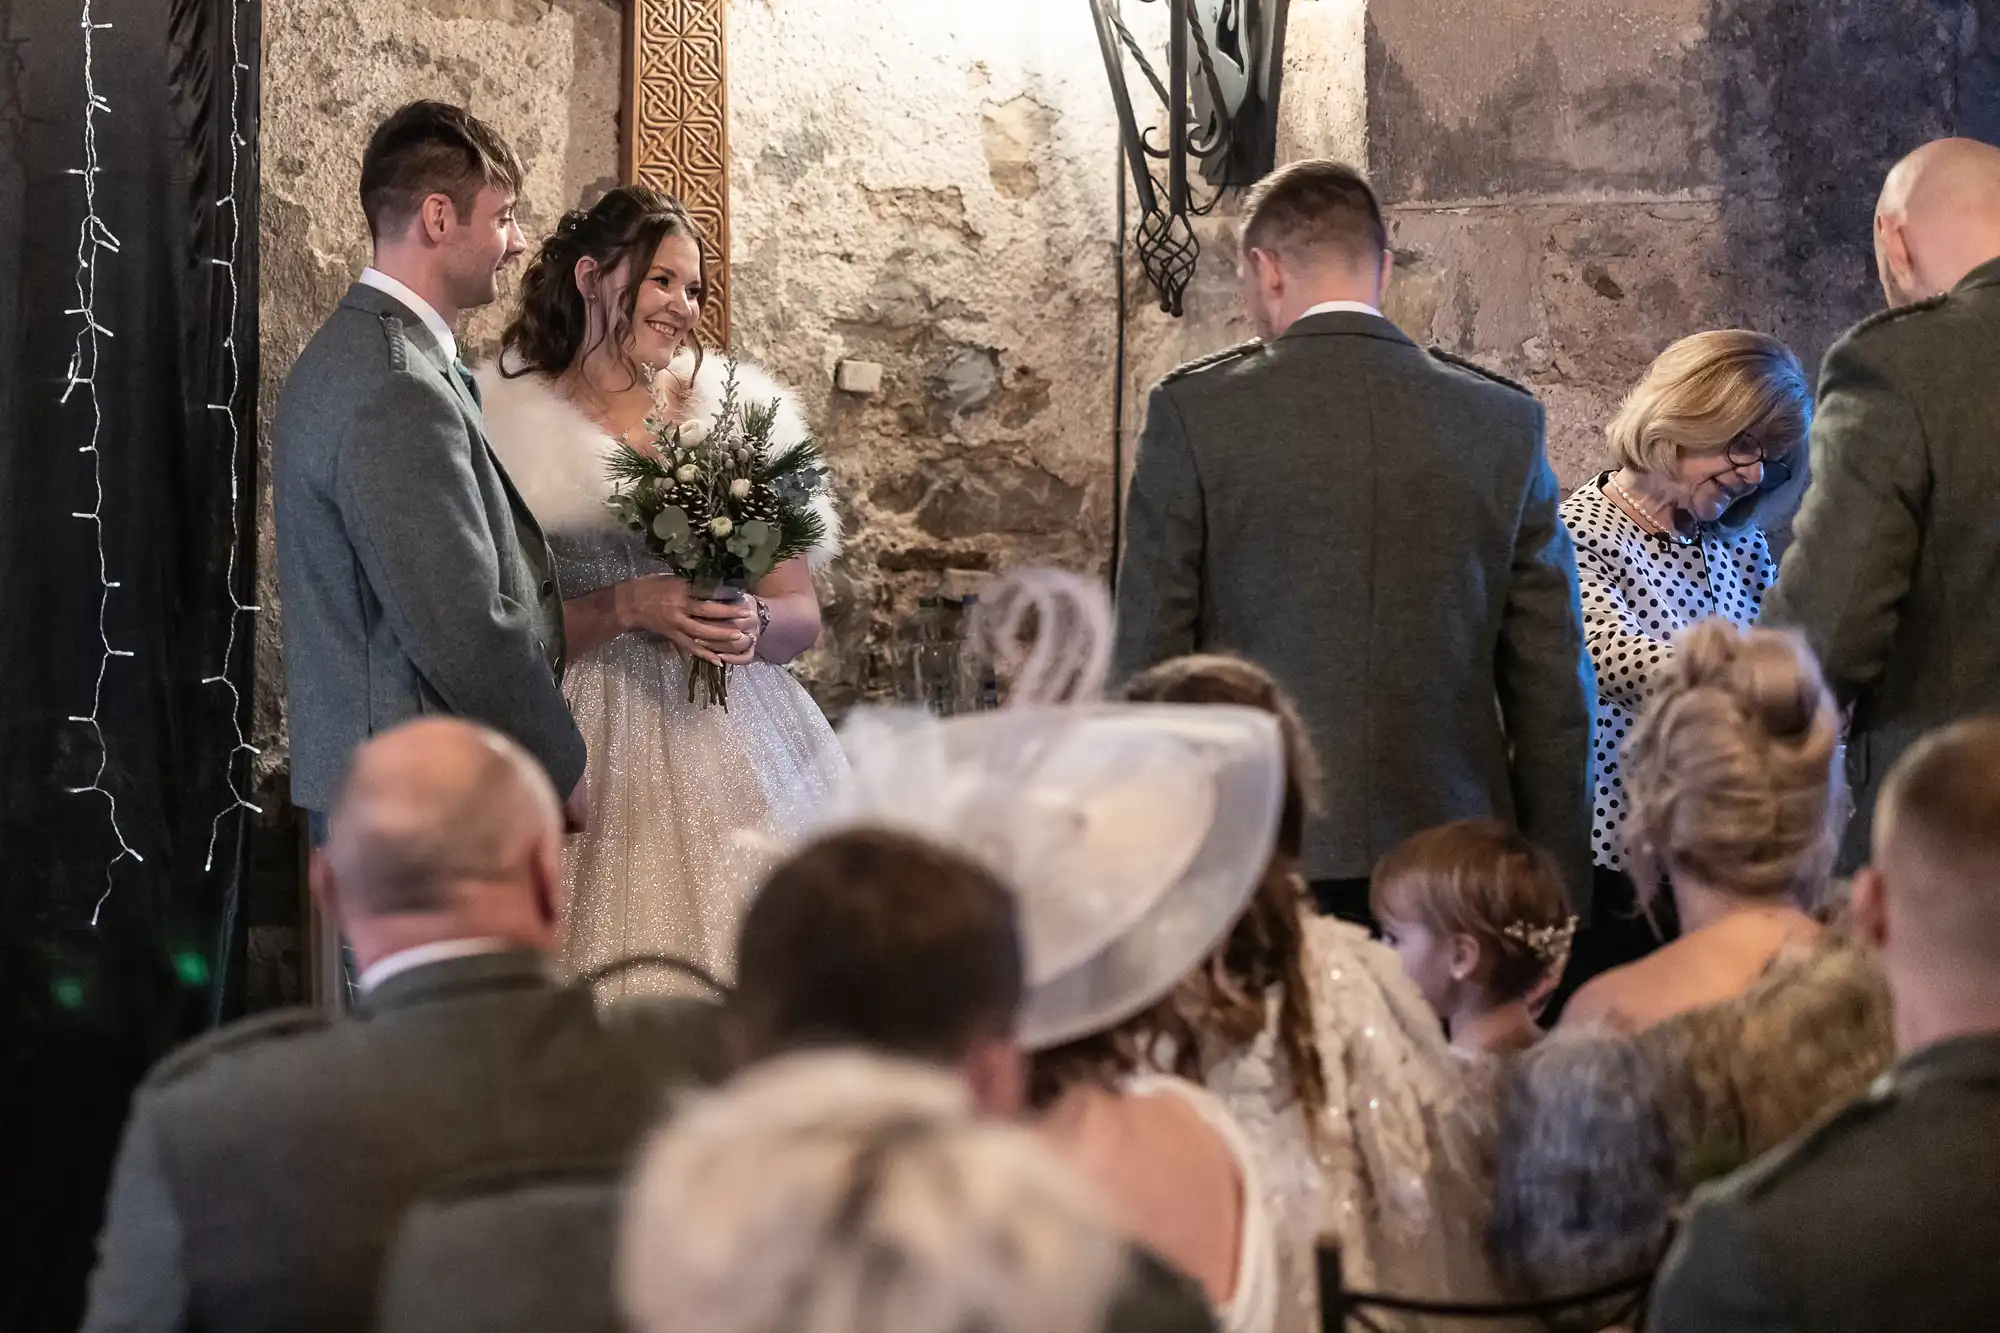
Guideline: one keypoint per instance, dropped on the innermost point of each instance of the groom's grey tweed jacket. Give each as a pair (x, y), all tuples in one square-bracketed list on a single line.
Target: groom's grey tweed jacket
[(414, 578), (1377, 528)]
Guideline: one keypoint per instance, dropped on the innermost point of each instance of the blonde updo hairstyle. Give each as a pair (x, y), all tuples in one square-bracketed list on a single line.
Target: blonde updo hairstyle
[(1706, 390), (1731, 770)]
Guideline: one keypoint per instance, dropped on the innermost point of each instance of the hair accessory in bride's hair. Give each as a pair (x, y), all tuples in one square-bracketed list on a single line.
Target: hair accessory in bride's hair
[(1131, 834), (1548, 943)]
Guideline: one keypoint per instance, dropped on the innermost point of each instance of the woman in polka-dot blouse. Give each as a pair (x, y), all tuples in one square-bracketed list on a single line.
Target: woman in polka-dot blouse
[(1707, 441)]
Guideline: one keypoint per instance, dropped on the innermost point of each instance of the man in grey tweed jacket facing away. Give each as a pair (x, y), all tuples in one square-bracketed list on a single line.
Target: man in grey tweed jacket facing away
[(414, 579), (1375, 526)]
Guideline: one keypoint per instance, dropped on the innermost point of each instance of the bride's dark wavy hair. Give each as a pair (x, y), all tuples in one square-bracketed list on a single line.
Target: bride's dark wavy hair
[(625, 227)]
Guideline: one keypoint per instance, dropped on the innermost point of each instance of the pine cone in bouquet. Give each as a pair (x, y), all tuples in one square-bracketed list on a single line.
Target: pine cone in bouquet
[(762, 505), (715, 499), (692, 498)]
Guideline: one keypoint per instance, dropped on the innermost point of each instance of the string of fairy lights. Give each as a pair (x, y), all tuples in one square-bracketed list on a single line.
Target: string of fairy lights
[(238, 608), (94, 238)]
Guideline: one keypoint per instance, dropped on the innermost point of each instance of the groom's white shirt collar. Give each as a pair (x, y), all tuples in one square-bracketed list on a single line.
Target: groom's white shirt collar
[(419, 307), (1327, 308)]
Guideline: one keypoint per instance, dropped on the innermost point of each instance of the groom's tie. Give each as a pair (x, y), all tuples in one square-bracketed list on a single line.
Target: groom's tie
[(458, 368)]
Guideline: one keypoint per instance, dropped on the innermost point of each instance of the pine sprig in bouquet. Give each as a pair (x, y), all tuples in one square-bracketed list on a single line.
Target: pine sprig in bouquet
[(718, 506)]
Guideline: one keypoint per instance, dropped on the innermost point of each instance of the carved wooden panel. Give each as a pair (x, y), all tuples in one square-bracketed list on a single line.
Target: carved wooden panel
[(677, 125)]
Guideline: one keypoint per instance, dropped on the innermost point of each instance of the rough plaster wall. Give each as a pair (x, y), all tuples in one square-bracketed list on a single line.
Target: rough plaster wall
[(950, 214), (545, 72), (1321, 114), (1576, 183), (928, 187)]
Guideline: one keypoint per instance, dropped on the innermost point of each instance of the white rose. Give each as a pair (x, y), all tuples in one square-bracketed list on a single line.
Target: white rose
[(687, 473), (720, 526), (693, 433), (740, 487)]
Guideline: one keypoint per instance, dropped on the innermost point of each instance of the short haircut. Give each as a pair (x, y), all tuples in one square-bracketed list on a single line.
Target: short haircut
[(1314, 210), (429, 148), (1481, 878), (1707, 390), (881, 940), (1938, 818)]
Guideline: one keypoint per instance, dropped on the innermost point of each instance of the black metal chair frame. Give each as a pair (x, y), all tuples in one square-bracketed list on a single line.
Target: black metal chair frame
[(1341, 1308)]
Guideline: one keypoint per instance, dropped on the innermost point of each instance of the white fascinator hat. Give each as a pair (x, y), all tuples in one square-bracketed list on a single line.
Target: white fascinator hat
[(1133, 835)]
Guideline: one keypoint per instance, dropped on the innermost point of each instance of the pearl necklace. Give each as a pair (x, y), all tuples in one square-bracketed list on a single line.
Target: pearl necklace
[(1636, 509)]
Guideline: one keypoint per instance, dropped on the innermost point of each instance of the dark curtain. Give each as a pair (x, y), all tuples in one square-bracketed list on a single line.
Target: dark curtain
[(106, 962)]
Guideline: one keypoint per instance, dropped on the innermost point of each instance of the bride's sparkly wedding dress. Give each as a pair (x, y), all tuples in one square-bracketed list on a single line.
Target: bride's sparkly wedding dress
[(661, 869)]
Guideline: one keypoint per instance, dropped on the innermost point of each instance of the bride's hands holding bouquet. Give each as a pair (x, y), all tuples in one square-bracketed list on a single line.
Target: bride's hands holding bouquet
[(665, 605), (739, 619)]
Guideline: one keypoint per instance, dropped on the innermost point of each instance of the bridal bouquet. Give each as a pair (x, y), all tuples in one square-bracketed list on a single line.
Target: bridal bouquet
[(719, 506)]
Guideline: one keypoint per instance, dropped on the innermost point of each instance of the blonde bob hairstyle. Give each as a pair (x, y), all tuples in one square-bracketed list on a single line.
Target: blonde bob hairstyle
[(1704, 392), (1732, 770)]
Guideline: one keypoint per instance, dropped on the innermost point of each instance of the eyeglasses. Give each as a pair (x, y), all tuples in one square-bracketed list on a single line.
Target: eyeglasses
[(1742, 451)]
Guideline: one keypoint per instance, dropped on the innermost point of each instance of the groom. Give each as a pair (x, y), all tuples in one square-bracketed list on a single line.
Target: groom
[(414, 579)]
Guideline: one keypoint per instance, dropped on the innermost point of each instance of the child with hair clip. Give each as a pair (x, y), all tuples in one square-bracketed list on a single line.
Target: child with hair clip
[(1476, 914)]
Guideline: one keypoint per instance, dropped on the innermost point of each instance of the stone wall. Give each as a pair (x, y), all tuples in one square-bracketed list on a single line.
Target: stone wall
[(1572, 184), (927, 187), (1576, 183), (949, 213), (933, 187), (547, 72)]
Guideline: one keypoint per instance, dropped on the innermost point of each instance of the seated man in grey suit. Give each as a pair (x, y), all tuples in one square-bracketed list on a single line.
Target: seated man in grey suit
[(266, 1167), (1377, 528), (414, 579), (866, 939), (1883, 1218)]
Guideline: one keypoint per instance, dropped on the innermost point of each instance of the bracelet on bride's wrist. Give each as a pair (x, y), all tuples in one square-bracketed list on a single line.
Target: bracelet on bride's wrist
[(763, 614)]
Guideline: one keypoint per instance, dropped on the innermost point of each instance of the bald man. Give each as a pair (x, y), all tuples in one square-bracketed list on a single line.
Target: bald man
[(1886, 1217), (266, 1166), (1894, 573)]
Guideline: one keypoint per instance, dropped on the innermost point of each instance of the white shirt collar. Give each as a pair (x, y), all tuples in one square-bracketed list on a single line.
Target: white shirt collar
[(408, 960), (382, 282), (1328, 307)]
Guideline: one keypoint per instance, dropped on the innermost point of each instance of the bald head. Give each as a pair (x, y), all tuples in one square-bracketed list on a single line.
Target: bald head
[(1938, 218), (433, 809)]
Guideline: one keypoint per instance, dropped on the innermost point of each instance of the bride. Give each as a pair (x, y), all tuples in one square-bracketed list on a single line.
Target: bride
[(603, 340)]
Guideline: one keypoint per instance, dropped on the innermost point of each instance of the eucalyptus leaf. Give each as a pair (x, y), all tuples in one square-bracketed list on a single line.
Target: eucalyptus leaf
[(672, 527)]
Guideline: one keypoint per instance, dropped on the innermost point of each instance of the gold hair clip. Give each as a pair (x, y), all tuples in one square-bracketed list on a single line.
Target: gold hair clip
[(1548, 943)]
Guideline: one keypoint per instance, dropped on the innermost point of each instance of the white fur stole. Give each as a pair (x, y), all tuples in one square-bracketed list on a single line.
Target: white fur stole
[(556, 455)]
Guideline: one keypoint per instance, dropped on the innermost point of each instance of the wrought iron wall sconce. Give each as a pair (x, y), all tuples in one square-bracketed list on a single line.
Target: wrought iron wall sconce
[(1221, 117)]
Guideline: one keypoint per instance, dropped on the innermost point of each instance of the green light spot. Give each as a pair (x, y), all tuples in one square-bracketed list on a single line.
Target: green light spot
[(68, 993), (191, 968)]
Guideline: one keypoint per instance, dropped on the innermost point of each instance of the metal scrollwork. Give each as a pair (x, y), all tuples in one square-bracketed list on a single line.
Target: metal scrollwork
[(1221, 114)]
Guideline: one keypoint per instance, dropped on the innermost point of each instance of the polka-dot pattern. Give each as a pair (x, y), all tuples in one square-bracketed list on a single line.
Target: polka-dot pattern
[(1638, 592)]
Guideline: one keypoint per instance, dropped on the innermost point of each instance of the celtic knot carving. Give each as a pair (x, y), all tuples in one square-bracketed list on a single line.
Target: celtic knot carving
[(677, 125)]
